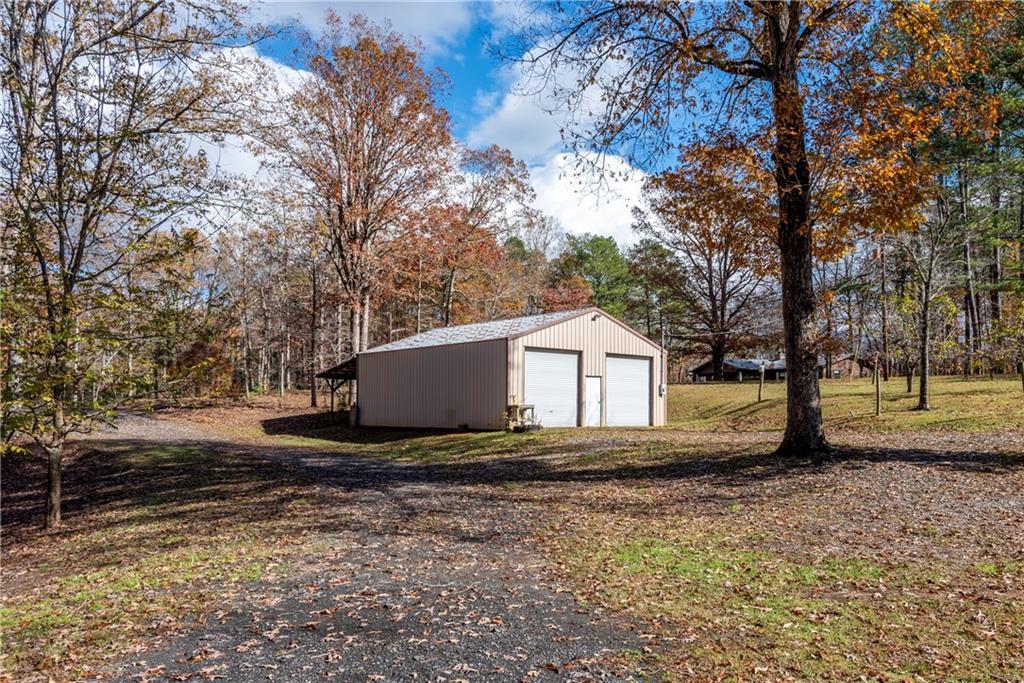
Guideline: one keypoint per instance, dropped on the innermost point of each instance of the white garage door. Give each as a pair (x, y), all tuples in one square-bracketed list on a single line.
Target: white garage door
[(552, 384), (628, 391)]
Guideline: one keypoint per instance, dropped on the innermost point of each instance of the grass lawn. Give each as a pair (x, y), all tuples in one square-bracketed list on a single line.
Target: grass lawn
[(977, 404), (153, 534), (901, 559), (978, 409)]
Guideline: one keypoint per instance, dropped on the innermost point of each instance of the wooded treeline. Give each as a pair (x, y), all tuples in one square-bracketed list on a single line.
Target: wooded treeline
[(134, 270)]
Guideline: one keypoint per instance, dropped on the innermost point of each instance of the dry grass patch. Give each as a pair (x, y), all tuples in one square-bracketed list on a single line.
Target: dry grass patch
[(876, 565)]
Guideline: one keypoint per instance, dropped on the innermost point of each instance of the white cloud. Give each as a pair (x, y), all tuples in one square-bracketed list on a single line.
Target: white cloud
[(520, 124), (438, 25), (532, 108), (585, 199), (585, 193)]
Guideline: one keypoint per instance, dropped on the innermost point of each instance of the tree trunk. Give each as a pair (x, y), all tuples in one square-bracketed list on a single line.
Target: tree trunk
[(54, 458), (717, 359), (972, 323), (996, 269), (365, 340), (288, 361), (885, 319), (354, 330), (354, 320), (313, 313), (449, 297), (280, 373), (1020, 228), (419, 295), (910, 377), (805, 434), (922, 397)]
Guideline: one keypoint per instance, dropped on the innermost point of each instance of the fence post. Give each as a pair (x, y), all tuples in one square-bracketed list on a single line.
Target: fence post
[(760, 382)]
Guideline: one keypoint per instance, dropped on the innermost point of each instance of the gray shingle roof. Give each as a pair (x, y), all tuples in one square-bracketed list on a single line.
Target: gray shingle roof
[(475, 332)]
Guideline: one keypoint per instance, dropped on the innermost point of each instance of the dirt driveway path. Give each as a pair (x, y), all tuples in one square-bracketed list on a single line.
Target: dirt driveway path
[(429, 579)]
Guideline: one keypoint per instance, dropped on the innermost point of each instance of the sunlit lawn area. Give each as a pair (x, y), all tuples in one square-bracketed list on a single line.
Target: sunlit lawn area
[(957, 404)]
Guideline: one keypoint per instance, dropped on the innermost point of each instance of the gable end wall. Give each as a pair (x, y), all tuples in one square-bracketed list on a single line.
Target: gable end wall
[(594, 339)]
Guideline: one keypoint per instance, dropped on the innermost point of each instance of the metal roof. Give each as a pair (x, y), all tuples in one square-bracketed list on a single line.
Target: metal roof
[(346, 369), (755, 364), (476, 332), (750, 364)]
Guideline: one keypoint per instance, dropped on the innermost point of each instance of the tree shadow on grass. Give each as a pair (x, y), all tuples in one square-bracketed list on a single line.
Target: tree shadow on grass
[(334, 427), (179, 487), (500, 457), (126, 496)]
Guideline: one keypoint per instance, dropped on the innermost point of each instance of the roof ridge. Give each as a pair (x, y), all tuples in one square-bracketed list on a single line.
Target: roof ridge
[(503, 328)]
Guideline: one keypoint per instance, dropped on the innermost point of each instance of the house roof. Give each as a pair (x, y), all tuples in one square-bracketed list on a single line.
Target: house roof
[(750, 364), (755, 364), (477, 332)]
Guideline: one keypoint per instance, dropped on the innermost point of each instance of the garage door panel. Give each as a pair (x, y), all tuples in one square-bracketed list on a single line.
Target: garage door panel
[(628, 391), (552, 386)]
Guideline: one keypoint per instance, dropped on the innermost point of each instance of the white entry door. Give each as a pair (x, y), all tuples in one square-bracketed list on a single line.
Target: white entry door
[(552, 386), (628, 391), (592, 392)]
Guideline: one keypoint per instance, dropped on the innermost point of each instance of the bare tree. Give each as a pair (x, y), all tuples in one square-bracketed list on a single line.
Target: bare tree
[(721, 266), (101, 101), (365, 132), (929, 251)]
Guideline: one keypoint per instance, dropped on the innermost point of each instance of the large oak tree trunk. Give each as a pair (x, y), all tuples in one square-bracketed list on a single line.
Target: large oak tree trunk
[(805, 434), (717, 359)]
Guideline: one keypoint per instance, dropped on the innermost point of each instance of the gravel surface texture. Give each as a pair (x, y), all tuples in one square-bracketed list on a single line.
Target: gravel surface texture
[(432, 578)]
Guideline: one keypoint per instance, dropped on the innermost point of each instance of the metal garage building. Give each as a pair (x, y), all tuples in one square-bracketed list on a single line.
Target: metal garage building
[(577, 368)]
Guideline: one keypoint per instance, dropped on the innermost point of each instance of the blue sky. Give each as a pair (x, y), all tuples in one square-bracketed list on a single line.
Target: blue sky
[(484, 103)]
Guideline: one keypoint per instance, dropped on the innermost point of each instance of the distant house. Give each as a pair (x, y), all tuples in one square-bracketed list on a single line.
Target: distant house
[(848, 365), (743, 369)]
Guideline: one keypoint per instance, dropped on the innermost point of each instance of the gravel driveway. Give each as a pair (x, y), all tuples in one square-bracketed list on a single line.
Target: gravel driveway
[(431, 579)]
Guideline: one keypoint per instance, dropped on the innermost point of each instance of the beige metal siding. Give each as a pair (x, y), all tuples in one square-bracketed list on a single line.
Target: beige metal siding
[(594, 338), (439, 386)]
